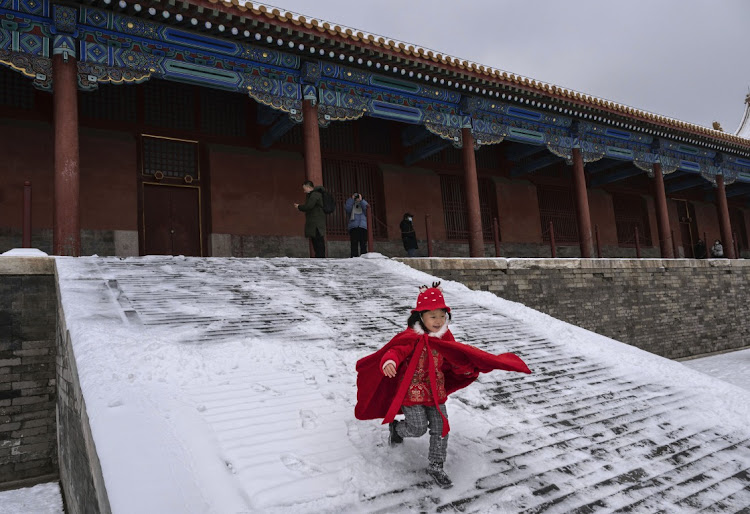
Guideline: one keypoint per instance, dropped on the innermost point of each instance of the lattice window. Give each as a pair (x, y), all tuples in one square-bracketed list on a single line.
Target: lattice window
[(169, 105), (374, 136), (173, 158), (16, 90), (338, 137), (488, 207), (344, 177), (556, 204), (487, 157), (737, 220), (630, 212), (449, 155), (293, 137), (223, 113), (109, 102), (455, 212)]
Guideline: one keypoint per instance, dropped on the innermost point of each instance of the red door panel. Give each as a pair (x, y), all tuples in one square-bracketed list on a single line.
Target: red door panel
[(171, 220)]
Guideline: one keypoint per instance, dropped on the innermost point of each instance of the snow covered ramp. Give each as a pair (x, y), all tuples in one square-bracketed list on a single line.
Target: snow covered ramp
[(227, 386)]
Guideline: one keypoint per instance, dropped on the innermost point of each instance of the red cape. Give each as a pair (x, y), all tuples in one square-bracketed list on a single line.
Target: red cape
[(379, 396)]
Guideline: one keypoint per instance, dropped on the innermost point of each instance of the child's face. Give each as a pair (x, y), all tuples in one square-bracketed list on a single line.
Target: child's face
[(434, 320)]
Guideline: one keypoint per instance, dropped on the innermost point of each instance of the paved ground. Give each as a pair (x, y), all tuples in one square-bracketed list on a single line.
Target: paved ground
[(586, 437)]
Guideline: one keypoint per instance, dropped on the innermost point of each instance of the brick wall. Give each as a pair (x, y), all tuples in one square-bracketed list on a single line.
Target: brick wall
[(28, 301), (674, 308), (80, 470)]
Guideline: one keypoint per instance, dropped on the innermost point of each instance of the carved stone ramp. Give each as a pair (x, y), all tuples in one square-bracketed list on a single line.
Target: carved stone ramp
[(598, 426)]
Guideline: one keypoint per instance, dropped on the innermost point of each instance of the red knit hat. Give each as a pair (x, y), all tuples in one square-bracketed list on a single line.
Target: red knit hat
[(430, 298)]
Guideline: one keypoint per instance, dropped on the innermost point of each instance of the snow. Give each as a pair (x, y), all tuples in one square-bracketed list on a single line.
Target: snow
[(40, 499), (24, 252), (228, 385), (732, 367)]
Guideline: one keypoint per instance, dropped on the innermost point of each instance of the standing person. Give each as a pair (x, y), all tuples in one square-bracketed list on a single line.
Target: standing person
[(700, 249), (356, 210), (717, 250), (416, 371), (315, 218), (409, 235)]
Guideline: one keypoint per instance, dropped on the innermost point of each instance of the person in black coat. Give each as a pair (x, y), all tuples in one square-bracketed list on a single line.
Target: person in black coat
[(409, 235), (700, 249)]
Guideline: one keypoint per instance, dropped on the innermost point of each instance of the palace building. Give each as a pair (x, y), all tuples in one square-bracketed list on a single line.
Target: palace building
[(136, 127)]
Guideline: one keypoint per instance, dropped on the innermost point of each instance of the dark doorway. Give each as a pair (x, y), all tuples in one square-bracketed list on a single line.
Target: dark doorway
[(171, 220)]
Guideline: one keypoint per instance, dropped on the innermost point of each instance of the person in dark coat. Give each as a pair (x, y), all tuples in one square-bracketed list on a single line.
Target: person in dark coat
[(409, 235), (315, 218), (356, 211), (700, 249)]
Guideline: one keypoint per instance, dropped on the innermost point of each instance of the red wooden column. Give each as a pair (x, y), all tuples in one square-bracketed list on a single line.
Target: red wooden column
[(723, 212), (66, 237), (26, 215), (471, 186), (313, 159), (662, 216), (582, 205)]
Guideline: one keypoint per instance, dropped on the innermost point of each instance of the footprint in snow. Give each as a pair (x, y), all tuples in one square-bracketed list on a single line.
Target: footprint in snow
[(260, 388), (310, 378), (309, 419), (300, 465)]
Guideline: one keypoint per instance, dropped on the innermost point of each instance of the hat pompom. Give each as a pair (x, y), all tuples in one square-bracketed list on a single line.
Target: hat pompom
[(430, 298)]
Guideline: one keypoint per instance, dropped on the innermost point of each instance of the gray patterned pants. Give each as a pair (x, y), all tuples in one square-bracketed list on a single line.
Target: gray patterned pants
[(418, 418)]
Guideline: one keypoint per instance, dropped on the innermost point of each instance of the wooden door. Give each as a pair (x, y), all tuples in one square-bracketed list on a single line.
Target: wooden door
[(171, 220), (171, 202)]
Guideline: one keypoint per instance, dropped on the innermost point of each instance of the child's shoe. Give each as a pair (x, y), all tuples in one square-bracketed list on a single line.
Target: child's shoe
[(393, 437), (435, 470)]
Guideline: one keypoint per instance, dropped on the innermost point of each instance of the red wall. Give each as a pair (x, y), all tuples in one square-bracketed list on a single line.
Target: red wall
[(109, 191), (518, 210), (602, 214), (708, 221), (254, 192), (416, 191), (27, 154)]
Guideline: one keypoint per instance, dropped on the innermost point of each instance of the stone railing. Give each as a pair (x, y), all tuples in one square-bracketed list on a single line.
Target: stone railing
[(675, 308)]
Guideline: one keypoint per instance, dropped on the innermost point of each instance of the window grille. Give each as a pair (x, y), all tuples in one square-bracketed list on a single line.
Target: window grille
[(374, 136), (169, 105), (293, 137), (556, 204), (487, 157), (488, 207), (737, 220), (338, 137), (454, 207), (450, 155), (344, 177), (223, 113), (172, 157), (109, 102), (16, 90), (630, 212)]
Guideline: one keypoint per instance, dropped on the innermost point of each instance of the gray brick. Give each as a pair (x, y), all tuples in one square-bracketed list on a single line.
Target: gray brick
[(30, 399)]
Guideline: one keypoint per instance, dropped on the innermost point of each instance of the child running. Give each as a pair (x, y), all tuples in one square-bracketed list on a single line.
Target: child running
[(416, 371)]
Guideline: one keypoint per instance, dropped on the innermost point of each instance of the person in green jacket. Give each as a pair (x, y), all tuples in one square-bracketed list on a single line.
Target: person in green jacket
[(315, 218)]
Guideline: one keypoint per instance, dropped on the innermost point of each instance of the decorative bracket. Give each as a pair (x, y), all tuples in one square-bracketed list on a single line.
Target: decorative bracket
[(91, 75), (35, 67)]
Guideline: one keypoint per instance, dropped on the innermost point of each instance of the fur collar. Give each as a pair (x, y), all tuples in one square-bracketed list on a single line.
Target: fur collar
[(439, 334)]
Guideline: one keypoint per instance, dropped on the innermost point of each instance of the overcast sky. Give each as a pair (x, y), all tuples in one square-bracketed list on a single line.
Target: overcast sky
[(687, 59)]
